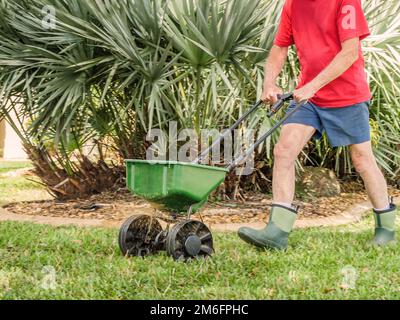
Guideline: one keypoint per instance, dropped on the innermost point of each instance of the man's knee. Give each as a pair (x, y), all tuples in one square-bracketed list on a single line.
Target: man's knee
[(362, 162), (292, 140), (284, 154)]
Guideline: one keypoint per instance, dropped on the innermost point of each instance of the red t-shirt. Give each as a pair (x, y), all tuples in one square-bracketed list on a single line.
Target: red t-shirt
[(317, 28)]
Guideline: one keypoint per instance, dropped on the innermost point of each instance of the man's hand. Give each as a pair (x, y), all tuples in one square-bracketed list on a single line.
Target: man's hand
[(270, 93), (304, 93), (273, 68)]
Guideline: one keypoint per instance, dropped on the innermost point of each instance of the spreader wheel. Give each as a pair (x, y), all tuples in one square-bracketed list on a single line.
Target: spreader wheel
[(189, 239), (138, 234)]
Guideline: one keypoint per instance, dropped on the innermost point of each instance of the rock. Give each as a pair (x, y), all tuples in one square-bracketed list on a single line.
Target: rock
[(319, 182)]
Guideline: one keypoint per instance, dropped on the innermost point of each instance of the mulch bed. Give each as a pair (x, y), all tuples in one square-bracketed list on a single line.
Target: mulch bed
[(117, 206)]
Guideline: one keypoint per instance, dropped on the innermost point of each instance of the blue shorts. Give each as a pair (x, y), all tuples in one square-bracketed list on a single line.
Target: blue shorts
[(343, 126)]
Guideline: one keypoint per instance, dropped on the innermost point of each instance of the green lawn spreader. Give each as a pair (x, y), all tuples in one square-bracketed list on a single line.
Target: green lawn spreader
[(180, 189)]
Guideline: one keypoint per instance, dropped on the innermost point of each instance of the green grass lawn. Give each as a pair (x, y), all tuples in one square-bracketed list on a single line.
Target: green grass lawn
[(6, 166), (42, 262), (13, 189), (326, 263)]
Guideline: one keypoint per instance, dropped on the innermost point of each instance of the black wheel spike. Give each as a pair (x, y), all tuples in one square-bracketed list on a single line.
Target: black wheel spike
[(189, 239), (137, 236), (198, 227), (207, 249), (206, 237)]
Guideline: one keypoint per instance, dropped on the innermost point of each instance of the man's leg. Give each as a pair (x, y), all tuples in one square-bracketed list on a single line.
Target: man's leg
[(293, 139), (384, 212), (365, 164), (275, 235)]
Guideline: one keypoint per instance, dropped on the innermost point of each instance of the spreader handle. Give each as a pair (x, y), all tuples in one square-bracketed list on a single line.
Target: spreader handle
[(229, 131), (264, 137), (274, 109), (278, 105)]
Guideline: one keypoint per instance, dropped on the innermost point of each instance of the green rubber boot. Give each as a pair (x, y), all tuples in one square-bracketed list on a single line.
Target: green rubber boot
[(385, 231), (275, 235)]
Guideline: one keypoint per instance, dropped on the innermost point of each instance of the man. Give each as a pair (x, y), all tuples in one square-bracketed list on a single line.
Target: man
[(333, 80)]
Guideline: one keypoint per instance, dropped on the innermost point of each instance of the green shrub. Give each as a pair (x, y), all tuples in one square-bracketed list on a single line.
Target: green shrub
[(113, 70)]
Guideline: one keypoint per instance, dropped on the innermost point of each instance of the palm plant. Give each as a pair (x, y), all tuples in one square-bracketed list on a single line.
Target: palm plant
[(113, 70)]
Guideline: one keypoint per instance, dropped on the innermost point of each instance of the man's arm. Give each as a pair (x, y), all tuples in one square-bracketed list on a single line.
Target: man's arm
[(273, 67), (341, 63)]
